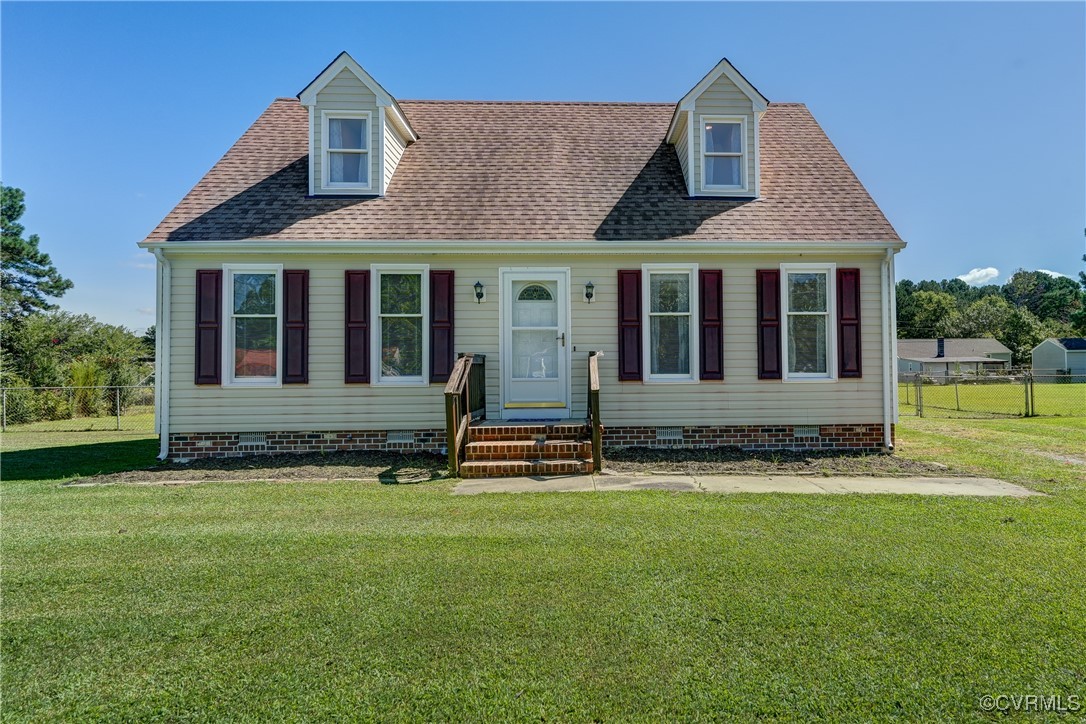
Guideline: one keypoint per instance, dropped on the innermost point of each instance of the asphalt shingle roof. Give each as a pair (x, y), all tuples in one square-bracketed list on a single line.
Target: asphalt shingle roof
[(526, 171), (1073, 344), (926, 349)]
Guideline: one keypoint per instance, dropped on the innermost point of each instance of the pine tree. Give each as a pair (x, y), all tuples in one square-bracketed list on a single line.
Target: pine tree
[(27, 275)]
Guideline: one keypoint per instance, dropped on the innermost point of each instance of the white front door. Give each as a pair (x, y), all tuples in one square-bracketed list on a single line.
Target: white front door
[(535, 343)]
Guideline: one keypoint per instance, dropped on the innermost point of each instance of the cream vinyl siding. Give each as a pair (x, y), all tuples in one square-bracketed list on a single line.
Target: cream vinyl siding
[(346, 93), (394, 148), (326, 403), (682, 148), (723, 98)]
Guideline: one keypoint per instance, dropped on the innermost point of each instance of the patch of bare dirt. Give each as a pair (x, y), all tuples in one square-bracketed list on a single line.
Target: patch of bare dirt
[(386, 467), (733, 460)]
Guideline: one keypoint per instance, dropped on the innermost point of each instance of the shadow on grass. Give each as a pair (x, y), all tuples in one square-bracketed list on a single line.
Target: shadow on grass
[(69, 461)]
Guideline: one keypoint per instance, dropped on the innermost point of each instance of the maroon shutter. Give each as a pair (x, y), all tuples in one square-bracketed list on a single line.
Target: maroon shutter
[(295, 326), (209, 327), (711, 307), (356, 348), (769, 324), (442, 357), (848, 323), (629, 324)]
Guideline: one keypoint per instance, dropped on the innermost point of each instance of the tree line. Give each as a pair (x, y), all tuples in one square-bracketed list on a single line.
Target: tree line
[(1029, 308), (43, 346)]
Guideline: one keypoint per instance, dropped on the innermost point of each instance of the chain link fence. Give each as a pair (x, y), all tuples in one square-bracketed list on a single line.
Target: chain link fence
[(77, 409), (995, 394)]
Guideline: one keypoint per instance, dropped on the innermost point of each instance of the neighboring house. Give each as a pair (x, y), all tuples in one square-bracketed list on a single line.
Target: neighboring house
[(1066, 355), (719, 253), (943, 357)]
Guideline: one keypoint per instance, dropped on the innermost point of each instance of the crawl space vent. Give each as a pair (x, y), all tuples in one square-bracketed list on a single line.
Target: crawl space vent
[(401, 437), (252, 439), (805, 431), (669, 433)]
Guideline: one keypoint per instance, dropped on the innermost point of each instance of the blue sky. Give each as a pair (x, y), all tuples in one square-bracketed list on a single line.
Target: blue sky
[(966, 122)]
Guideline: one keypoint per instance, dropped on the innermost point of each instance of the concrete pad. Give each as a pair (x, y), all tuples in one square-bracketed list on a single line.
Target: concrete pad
[(757, 484), (561, 484), (984, 487), (677, 483)]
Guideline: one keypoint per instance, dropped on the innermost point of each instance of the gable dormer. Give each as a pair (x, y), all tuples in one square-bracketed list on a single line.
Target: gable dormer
[(715, 134), (357, 132)]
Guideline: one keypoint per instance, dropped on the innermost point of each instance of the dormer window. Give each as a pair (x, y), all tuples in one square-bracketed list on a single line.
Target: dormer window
[(346, 150), (724, 156)]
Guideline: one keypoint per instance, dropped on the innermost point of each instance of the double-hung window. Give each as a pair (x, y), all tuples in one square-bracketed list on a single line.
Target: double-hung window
[(346, 150), (670, 346), (401, 299), (724, 153), (253, 308), (808, 300)]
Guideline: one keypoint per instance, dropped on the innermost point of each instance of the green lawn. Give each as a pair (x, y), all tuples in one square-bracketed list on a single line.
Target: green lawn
[(135, 419), (356, 600)]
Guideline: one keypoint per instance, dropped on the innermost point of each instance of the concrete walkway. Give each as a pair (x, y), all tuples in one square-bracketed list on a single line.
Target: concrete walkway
[(987, 487)]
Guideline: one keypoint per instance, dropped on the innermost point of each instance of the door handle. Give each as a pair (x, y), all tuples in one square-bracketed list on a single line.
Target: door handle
[(563, 338)]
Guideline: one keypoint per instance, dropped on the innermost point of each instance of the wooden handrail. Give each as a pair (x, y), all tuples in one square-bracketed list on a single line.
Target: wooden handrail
[(465, 400), (594, 424)]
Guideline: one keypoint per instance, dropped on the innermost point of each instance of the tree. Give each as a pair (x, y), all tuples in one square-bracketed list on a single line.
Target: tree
[(1023, 332), (930, 314), (986, 317), (27, 275)]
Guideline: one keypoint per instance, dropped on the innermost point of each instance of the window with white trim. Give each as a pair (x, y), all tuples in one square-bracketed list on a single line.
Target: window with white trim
[(401, 301), (809, 300), (253, 308), (670, 304), (346, 160), (723, 153)]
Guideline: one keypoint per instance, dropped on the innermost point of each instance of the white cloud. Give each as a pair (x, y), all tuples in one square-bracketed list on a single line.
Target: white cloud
[(146, 311), (977, 277), (1053, 274)]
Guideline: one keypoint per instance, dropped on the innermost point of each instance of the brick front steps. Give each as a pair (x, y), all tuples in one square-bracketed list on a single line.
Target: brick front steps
[(506, 449)]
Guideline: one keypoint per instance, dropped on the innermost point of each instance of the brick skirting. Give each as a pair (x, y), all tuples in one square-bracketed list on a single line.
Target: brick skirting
[(753, 437), (191, 445), (188, 446)]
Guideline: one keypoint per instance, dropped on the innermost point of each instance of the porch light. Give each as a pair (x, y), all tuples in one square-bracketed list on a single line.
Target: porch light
[(589, 292), (480, 292)]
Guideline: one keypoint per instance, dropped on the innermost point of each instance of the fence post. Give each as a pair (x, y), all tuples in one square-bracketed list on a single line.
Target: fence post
[(957, 400), (117, 405), (4, 406), (1032, 399), (919, 395)]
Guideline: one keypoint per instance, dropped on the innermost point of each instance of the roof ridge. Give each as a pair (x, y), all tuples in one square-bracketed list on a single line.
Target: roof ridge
[(540, 103)]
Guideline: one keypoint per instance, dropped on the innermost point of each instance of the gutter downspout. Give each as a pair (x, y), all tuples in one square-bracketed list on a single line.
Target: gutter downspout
[(889, 383), (162, 354)]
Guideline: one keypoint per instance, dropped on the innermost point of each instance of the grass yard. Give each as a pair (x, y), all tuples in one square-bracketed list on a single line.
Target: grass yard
[(346, 600)]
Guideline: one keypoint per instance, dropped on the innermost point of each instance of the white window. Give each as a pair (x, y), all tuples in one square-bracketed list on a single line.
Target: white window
[(401, 339), (253, 305), (809, 300), (346, 158), (723, 156), (670, 304)]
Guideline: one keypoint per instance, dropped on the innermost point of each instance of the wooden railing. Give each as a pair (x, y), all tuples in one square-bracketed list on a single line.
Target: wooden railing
[(595, 428), (465, 400)]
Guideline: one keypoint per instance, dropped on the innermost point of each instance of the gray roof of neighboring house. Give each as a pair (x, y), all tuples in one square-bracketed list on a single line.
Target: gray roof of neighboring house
[(954, 350), (530, 171)]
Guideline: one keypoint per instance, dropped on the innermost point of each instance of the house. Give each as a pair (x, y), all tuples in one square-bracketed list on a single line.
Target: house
[(700, 273), (1065, 355), (943, 357)]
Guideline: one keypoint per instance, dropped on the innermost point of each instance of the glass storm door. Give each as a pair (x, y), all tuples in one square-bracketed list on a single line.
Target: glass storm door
[(535, 354)]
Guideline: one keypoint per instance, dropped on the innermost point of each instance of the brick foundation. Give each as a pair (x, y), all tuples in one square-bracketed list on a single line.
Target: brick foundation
[(865, 437), (753, 437), (189, 446)]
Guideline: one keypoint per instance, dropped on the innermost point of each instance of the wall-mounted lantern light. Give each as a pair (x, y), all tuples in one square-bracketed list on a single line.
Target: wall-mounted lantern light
[(589, 292), (480, 292)]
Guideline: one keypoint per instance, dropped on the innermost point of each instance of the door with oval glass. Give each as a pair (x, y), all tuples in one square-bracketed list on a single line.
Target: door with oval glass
[(535, 343)]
